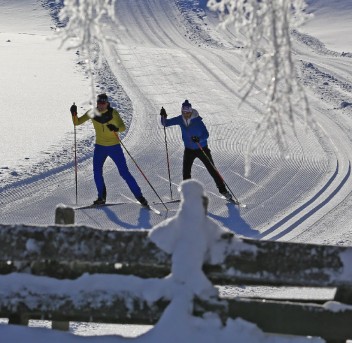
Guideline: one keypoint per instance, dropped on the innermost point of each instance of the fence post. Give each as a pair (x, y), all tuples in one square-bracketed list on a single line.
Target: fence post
[(344, 295), (18, 319), (64, 215), (62, 326)]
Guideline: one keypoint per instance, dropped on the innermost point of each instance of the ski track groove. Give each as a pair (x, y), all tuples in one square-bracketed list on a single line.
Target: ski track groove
[(160, 66)]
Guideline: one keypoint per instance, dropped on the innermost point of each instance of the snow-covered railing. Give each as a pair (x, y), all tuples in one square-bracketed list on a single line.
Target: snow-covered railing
[(70, 251), (77, 273)]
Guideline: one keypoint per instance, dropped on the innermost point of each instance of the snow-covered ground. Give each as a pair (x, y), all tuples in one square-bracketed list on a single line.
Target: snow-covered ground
[(331, 23), (170, 51), (35, 76)]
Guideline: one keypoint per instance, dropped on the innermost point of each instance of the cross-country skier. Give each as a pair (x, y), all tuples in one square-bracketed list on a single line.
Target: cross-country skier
[(107, 144), (194, 136)]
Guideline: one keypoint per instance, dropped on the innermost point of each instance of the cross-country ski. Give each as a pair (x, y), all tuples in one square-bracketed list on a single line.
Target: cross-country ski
[(176, 201), (146, 206), (150, 208), (100, 206), (235, 202)]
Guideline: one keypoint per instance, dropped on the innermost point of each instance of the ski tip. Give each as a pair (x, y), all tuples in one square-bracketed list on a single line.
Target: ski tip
[(237, 203), (175, 201), (153, 210), (150, 208)]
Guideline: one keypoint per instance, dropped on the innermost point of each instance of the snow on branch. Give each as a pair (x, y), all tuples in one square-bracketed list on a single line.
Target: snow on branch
[(265, 27), (84, 30)]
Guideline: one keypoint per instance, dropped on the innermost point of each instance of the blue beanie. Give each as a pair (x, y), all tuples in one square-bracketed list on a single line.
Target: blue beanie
[(186, 106)]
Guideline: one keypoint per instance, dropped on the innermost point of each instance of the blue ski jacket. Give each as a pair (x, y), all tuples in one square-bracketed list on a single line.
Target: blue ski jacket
[(192, 127)]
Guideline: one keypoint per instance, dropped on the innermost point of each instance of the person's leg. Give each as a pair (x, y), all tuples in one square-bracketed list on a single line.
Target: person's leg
[(118, 157), (104, 192), (209, 164), (188, 159), (99, 157)]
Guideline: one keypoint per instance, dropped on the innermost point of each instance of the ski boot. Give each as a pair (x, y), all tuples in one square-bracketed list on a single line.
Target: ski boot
[(99, 201), (143, 201), (227, 195)]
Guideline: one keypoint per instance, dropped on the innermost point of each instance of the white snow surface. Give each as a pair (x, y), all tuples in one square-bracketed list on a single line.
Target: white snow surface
[(331, 24), (34, 83), (170, 51)]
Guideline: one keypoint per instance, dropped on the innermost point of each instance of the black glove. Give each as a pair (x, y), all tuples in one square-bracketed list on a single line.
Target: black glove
[(112, 127), (163, 112), (195, 139), (73, 110)]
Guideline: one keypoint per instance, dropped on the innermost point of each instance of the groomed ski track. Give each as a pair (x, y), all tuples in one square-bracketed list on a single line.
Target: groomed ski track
[(167, 53)]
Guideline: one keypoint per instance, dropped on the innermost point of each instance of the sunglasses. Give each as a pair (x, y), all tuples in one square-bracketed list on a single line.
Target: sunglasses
[(101, 102)]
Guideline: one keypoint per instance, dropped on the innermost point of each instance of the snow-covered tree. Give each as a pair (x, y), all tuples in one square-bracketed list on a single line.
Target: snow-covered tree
[(84, 31), (265, 27)]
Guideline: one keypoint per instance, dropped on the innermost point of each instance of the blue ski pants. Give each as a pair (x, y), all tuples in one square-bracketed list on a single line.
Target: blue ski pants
[(116, 154)]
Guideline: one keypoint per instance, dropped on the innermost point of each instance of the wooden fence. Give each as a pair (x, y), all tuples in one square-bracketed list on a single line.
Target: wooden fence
[(64, 252)]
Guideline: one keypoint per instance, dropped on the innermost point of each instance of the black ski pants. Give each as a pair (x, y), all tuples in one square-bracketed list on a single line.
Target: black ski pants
[(188, 158)]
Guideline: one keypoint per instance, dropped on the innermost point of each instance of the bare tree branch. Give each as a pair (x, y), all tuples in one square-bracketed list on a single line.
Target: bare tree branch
[(269, 65), (84, 32)]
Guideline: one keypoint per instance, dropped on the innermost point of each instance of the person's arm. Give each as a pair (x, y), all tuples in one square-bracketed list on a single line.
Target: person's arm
[(116, 124), (202, 131), (167, 122), (78, 121), (205, 134)]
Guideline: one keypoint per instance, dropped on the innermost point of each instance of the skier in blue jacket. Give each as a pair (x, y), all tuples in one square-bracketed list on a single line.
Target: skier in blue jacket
[(194, 136)]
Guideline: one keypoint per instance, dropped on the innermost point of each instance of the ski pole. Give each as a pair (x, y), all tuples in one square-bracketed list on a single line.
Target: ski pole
[(123, 145), (167, 159), (217, 171), (75, 139)]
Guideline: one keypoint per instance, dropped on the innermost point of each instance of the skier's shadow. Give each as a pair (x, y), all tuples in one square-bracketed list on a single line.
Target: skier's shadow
[(235, 222), (143, 221)]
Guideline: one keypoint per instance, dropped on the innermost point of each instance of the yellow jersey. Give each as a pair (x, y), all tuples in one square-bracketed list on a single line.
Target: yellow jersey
[(103, 135)]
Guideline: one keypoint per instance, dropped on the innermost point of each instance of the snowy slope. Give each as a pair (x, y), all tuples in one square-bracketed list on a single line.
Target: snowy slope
[(331, 24), (33, 85), (170, 51)]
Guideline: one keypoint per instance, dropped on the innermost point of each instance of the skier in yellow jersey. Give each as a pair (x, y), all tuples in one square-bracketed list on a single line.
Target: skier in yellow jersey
[(107, 145)]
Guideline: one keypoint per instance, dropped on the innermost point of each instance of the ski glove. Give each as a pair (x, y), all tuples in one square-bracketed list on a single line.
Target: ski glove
[(112, 127), (73, 110), (195, 139), (163, 112)]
